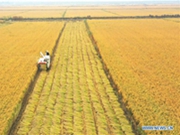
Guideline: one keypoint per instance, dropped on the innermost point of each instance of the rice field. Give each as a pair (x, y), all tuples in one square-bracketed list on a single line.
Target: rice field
[(75, 96), (84, 11), (143, 59), (87, 12), (20, 47)]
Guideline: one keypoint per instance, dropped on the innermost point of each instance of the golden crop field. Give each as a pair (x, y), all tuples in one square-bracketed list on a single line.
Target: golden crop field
[(33, 12), (36, 13), (20, 45), (144, 12), (42, 13), (84, 11), (8, 13), (75, 96), (143, 57), (88, 12), (177, 20)]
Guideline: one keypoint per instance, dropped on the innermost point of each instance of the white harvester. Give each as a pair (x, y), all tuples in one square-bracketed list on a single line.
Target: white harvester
[(44, 60)]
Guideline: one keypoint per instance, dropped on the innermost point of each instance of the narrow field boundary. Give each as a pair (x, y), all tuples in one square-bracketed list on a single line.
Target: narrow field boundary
[(105, 10), (129, 115), (29, 91), (64, 14)]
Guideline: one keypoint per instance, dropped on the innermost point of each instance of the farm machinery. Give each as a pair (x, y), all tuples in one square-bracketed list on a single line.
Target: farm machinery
[(44, 60)]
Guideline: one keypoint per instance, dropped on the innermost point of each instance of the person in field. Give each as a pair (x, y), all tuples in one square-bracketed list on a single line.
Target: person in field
[(45, 59)]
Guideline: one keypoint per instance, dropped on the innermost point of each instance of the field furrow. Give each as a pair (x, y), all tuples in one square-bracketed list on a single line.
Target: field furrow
[(75, 96)]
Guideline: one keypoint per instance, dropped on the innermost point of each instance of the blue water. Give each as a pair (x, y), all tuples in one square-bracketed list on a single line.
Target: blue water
[(86, 3)]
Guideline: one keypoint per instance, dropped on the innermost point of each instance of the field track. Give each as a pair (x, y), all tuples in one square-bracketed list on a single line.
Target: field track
[(75, 96)]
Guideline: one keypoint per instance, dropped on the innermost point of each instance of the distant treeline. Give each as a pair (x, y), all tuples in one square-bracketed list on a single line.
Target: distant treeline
[(20, 18)]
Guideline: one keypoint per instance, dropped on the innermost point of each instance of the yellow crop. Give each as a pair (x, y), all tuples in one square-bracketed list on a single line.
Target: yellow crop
[(32, 12), (84, 11), (42, 13), (76, 97), (87, 12), (144, 11), (20, 45), (143, 57)]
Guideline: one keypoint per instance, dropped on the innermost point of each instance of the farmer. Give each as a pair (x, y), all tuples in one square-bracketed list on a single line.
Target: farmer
[(47, 59)]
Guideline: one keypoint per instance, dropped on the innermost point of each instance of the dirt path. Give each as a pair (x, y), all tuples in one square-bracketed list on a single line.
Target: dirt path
[(75, 96)]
